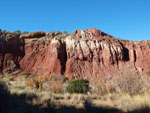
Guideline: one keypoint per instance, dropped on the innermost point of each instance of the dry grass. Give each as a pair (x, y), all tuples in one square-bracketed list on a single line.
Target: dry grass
[(52, 83), (98, 85), (132, 84), (56, 86), (129, 82), (126, 93)]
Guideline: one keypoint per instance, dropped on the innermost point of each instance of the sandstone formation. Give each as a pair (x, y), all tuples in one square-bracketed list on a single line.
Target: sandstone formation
[(11, 49), (33, 35), (82, 53)]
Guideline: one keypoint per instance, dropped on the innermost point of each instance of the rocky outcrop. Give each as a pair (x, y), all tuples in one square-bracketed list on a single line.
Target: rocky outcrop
[(33, 35), (83, 53), (11, 50)]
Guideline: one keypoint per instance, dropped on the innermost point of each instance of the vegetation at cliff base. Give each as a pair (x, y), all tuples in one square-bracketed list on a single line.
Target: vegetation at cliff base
[(78, 86), (32, 93)]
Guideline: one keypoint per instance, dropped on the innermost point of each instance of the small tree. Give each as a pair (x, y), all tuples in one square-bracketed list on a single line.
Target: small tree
[(4, 31), (58, 32), (65, 32), (17, 32), (78, 86), (25, 32)]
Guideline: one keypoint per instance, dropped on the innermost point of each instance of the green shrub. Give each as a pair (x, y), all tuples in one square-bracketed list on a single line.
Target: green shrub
[(78, 86), (4, 31), (25, 32), (17, 32), (58, 32), (65, 32)]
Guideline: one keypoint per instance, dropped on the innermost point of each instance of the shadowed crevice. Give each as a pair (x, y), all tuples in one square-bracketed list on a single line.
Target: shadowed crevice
[(125, 53), (134, 52), (62, 55)]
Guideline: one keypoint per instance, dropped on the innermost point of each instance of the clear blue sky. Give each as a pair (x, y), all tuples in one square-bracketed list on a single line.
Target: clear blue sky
[(126, 19)]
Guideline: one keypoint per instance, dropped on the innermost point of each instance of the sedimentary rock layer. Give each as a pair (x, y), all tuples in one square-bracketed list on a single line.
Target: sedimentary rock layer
[(82, 53)]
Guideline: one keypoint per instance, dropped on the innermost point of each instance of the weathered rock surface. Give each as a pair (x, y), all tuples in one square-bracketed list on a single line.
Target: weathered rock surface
[(11, 50), (34, 35), (82, 53)]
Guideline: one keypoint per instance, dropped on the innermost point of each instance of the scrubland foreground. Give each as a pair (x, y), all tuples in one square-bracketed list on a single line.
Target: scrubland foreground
[(31, 93)]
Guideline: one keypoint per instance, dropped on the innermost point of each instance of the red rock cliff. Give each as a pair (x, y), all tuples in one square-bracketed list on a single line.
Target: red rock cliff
[(82, 53), (11, 49)]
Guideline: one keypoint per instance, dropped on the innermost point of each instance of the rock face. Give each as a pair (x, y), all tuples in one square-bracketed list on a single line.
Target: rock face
[(11, 50), (82, 53), (34, 34)]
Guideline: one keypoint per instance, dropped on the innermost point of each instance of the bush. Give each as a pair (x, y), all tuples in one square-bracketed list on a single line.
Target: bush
[(25, 32), (58, 32), (52, 83), (4, 31), (56, 86), (65, 32), (78, 86), (130, 83), (17, 32), (98, 85), (11, 67)]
